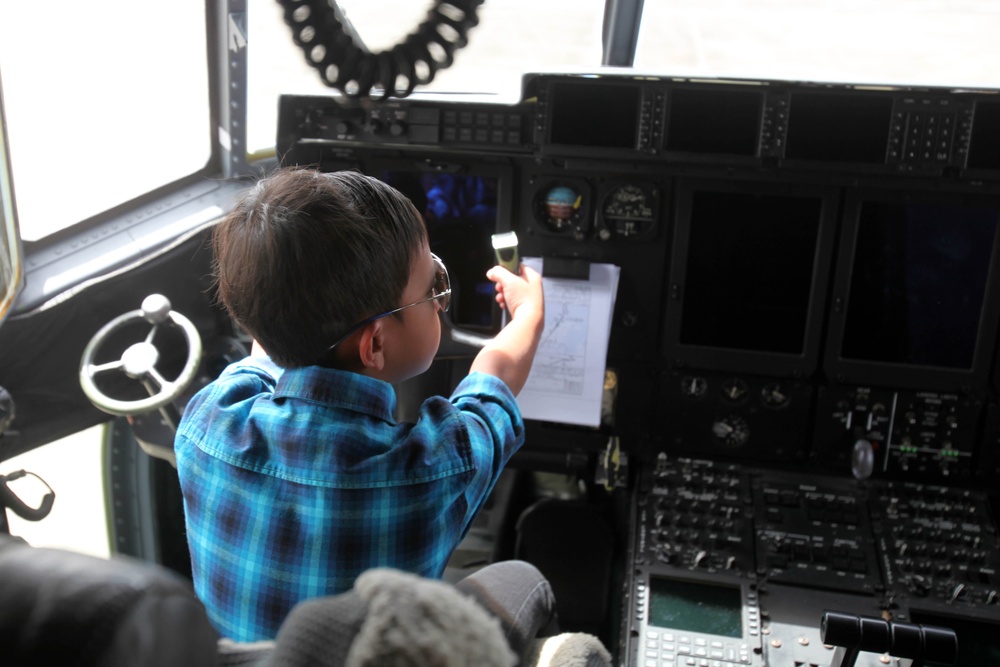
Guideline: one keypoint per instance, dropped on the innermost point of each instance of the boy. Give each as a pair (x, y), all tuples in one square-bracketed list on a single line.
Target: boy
[(296, 477)]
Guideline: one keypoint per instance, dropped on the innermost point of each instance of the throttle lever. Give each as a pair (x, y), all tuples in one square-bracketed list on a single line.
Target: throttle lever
[(852, 634)]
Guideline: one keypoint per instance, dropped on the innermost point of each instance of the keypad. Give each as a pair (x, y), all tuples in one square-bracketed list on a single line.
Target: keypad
[(669, 648)]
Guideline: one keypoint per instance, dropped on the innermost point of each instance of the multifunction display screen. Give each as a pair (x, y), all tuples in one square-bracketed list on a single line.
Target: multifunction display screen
[(750, 262), (696, 607), (461, 214), (918, 283)]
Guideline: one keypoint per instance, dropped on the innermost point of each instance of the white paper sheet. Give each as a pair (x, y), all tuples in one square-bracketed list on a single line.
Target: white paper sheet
[(566, 382)]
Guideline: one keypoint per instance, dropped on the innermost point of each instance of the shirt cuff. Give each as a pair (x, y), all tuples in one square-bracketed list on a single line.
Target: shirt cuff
[(477, 384)]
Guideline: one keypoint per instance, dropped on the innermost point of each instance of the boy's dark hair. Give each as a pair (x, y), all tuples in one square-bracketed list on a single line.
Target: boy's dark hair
[(306, 250)]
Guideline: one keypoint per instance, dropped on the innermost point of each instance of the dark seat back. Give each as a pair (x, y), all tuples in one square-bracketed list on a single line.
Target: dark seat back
[(572, 544), (64, 608)]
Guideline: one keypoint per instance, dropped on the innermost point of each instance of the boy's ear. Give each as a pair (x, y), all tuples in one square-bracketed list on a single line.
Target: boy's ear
[(370, 348)]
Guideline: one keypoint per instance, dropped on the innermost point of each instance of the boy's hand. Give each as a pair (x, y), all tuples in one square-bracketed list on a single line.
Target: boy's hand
[(509, 354), (515, 291)]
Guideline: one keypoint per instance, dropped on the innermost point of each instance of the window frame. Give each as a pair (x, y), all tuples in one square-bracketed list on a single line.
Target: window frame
[(129, 232)]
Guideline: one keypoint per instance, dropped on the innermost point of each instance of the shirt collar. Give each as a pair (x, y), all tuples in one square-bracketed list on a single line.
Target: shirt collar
[(337, 388)]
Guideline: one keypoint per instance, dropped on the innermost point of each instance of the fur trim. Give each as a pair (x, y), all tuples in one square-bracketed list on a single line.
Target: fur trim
[(416, 622), (570, 649)]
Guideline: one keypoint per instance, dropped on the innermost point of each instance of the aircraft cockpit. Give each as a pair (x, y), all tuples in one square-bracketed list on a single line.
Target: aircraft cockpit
[(763, 424)]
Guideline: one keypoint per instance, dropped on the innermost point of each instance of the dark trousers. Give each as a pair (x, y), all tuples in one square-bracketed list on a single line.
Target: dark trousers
[(515, 592)]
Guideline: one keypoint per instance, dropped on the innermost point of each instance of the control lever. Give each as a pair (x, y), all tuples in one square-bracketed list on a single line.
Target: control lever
[(852, 634), (468, 338), (862, 459), (457, 342)]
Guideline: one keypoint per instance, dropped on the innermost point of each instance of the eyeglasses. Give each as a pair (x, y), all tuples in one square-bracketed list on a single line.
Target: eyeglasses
[(441, 291)]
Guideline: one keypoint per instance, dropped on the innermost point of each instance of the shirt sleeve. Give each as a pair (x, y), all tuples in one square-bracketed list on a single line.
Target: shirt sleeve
[(495, 429)]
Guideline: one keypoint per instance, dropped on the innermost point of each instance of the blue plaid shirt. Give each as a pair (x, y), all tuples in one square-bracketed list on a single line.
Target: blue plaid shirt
[(297, 481)]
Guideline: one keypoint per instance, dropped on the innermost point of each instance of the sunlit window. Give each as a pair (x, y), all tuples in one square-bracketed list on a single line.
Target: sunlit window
[(931, 42), (109, 99), (106, 100), (513, 37), (908, 42)]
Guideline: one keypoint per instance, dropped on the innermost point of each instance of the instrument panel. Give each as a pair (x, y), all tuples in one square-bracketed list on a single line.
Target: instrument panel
[(804, 342), (616, 210), (750, 558)]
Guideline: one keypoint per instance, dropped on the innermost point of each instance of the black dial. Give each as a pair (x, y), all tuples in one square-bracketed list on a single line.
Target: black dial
[(734, 390), (628, 211), (693, 386), (773, 395), (731, 431)]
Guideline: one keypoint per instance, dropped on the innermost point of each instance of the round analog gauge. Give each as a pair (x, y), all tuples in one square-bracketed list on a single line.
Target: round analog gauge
[(561, 208), (693, 386), (734, 390), (731, 431), (628, 211), (774, 396)]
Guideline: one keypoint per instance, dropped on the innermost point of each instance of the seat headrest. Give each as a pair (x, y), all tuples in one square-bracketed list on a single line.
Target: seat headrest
[(64, 608)]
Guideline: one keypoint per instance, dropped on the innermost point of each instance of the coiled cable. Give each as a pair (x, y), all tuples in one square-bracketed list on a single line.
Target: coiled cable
[(330, 46)]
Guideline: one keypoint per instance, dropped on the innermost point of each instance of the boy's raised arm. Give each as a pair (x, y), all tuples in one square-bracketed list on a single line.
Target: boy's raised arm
[(510, 354)]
